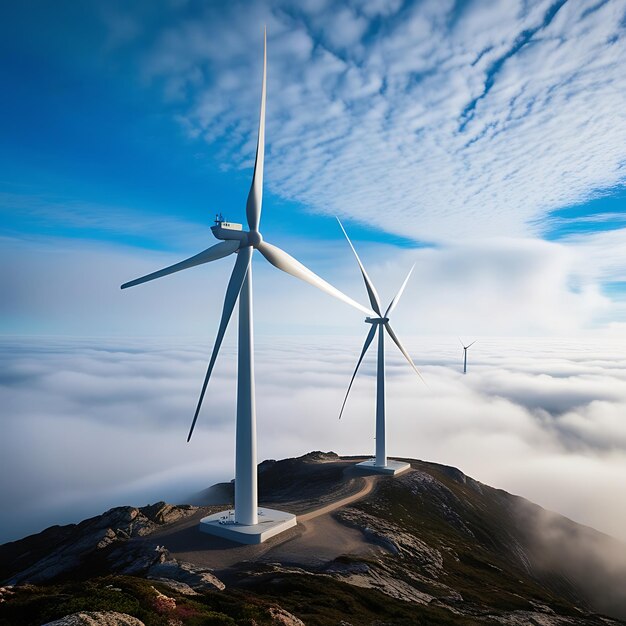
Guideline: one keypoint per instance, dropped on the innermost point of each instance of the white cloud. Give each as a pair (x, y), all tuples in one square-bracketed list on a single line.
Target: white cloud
[(441, 125), (93, 424), (344, 28), (601, 255), (490, 287), (373, 8)]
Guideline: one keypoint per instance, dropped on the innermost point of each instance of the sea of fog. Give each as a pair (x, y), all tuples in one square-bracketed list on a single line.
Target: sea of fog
[(94, 423)]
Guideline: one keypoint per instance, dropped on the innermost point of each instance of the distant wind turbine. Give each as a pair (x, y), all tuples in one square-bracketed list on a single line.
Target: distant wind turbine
[(244, 243), (465, 353), (379, 323)]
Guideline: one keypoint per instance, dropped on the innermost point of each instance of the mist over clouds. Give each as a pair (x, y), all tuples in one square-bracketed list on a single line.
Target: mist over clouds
[(90, 424), (496, 286)]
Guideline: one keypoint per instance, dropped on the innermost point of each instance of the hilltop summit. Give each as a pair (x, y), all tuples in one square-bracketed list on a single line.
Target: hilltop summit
[(430, 546)]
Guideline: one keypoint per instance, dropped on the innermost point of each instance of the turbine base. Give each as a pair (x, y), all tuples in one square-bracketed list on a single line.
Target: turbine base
[(271, 523), (393, 468)]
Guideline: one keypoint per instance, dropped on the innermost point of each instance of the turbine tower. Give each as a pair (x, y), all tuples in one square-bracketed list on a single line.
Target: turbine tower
[(246, 527), (379, 324), (465, 354)]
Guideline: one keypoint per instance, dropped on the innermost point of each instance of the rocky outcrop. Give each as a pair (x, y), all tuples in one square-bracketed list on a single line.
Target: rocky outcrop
[(6, 593), (378, 577), (398, 542), (195, 577), (60, 550), (163, 603), (97, 618), (524, 618), (163, 513), (156, 563), (176, 585), (284, 618), (425, 485)]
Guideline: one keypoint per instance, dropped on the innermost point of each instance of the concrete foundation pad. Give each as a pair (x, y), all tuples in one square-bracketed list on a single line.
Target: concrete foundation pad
[(393, 468), (271, 522)]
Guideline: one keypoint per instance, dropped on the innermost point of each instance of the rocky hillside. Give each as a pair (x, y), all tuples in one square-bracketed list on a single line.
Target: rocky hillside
[(431, 546)]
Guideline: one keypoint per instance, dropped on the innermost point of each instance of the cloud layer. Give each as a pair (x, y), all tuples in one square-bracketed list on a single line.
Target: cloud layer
[(435, 120), (491, 287), (93, 424)]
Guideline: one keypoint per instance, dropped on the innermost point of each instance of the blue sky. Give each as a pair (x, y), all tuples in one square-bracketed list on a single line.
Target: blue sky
[(422, 124), (82, 128)]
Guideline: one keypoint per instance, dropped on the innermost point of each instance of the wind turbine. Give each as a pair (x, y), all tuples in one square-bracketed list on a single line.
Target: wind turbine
[(465, 354), (379, 324), (235, 240)]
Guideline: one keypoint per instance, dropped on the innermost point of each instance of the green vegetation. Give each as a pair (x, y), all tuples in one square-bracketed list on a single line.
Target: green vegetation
[(476, 531), (319, 601), (34, 605)]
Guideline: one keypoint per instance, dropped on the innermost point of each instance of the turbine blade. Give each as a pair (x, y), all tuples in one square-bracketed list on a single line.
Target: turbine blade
[(462, 344), (371, 290), (219, 250), (404, 352), (255, 196), (232, 293), (473, 342), (366, 345), (395, 301), (285, 262)]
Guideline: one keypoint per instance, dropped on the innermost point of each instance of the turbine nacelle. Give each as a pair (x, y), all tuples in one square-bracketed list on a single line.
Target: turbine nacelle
[(376, 320), (229, 231)]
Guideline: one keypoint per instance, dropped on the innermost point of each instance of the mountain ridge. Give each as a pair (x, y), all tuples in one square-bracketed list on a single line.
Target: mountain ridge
[(432, 544)]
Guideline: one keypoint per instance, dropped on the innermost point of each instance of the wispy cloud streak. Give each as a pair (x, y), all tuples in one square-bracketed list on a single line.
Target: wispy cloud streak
[(422, 118)]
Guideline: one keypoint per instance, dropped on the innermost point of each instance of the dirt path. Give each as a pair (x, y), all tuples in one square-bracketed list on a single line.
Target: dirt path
[(320, 538), (333, 506), (317, 539)]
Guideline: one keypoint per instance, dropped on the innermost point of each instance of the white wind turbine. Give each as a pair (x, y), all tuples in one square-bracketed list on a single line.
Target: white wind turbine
[(235, 240), (380, 323), (465, 347)]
